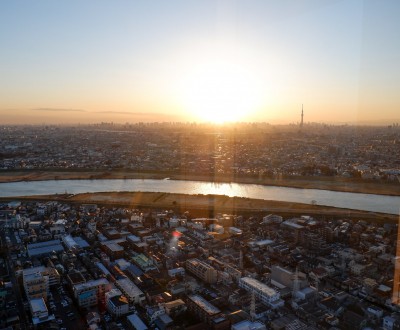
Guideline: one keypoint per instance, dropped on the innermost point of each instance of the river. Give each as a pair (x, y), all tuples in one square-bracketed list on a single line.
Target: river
[(356, 201)]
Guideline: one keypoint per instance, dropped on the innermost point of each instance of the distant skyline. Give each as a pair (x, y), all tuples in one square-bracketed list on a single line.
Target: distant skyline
[(67, 62)]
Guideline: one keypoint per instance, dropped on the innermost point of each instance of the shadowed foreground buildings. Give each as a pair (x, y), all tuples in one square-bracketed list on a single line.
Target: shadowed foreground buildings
[(124, 265)]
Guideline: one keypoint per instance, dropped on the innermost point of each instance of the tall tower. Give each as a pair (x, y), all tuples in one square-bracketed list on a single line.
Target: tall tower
[(302, 116)]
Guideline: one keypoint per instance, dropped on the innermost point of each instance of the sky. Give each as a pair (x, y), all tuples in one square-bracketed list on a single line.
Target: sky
[(68, 62)]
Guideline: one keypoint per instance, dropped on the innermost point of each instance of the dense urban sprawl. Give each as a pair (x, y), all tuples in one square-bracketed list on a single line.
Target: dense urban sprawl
[(80, 266), (256, 150)]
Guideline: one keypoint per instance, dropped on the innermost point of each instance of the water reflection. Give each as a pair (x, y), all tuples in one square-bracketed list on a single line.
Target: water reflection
[(367, 202)]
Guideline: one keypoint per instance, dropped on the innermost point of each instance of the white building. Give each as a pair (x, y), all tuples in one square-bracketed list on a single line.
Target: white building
[(52, 274), (262, 291), (131, 291), (202, 270), (36, 284)]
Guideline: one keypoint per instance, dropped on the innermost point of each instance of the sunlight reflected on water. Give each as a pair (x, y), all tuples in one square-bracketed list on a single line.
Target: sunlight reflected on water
[(367, 202)]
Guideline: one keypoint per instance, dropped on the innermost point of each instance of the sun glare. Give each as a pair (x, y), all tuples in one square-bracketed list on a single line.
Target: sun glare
[(221, 91)]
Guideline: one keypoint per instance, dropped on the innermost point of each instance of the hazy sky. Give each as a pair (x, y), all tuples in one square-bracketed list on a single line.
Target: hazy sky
[(91, 61)]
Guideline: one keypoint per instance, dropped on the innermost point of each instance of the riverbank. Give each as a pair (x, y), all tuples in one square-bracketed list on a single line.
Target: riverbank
[(209, 205), (324, 183)]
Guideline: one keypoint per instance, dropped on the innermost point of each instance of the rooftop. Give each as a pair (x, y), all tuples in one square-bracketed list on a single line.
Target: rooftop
[(175, 303), (69, 241), (81, 242), (292, 224), (33, 270), (119, 300), (128, 287), (38, 305), (37, 249), (204, 304), (265, 289), (33, 276), (90, 284), (137, 322)]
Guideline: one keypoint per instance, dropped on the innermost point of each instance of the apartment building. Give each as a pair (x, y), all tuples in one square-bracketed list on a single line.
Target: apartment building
[(202, 270), (130, 291), (52, 274), (207, 313), (262, 291), (91, 293), (35, 283)]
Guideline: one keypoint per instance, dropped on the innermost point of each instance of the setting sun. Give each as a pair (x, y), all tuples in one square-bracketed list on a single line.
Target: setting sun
[(221, 91)]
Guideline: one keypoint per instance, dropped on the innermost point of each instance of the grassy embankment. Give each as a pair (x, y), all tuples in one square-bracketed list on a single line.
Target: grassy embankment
[(209, 205)]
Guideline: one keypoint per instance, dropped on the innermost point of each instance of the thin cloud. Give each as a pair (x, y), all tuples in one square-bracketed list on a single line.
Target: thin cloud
[(59, 110), (116, 112), (131, 113)]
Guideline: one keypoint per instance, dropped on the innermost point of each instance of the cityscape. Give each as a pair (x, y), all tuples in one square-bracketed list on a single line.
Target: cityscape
[(102, 261), (200, 165), (242, 150)]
